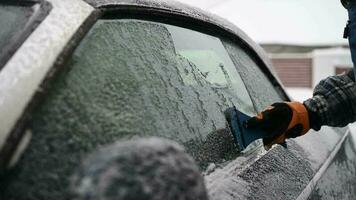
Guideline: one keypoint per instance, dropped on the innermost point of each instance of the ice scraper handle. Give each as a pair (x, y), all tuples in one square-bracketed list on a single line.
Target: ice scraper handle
[(242, 136), (281, 121)]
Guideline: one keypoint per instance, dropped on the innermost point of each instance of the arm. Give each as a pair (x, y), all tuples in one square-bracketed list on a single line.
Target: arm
[(333, 102)]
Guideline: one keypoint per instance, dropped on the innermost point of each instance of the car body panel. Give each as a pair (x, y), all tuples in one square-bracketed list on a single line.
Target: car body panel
[(278, 173), (323, 182), (338, 180)]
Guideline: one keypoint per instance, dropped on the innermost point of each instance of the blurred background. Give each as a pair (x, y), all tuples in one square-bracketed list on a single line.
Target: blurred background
[(303, 38)]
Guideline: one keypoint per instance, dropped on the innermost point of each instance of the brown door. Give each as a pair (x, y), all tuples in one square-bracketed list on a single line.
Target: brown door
[(294, 72)]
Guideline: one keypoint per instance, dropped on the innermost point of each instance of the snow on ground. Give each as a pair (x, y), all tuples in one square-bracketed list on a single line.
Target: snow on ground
[(299, 94)]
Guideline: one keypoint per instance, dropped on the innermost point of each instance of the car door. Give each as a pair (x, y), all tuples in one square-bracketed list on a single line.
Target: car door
[(131, 78)]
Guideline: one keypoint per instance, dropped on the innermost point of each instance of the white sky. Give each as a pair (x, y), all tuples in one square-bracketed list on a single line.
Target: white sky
[(204, 4), (303, 22)]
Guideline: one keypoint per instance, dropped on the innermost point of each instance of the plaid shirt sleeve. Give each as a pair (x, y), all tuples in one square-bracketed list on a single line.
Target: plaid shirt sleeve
[(333, 102)]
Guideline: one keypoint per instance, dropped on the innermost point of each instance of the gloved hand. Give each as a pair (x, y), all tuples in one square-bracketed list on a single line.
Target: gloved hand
[(281, 121)]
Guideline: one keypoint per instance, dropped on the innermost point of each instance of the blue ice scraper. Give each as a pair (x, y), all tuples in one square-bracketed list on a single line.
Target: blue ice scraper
[(242, 135)]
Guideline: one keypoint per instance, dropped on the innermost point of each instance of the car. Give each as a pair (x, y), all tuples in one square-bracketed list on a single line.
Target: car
[(78, 75)]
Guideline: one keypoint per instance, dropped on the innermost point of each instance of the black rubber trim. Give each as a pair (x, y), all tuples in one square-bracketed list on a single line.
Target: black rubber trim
[(18, 38)]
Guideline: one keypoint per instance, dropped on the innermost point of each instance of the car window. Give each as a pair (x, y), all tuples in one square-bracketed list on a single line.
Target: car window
[(132, 79), (12, 20), (262, 92), (213, 64), (18, 19)]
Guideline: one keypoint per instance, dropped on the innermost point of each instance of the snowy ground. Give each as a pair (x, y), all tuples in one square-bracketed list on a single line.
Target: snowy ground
[(299, 94)]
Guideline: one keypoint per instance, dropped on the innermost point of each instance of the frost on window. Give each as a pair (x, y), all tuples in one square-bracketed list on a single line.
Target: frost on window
[(131, 78), (259, 86), (13, 20)]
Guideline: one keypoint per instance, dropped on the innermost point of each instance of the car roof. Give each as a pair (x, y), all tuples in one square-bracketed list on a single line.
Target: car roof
[(178, 8)]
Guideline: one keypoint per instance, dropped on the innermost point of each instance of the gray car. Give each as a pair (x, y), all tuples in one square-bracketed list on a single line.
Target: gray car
[(76, 75)]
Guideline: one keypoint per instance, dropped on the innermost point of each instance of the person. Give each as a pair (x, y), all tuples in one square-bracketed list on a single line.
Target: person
[(333, 102)]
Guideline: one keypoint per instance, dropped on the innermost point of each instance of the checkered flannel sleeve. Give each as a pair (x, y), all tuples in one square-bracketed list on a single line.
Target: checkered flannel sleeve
[(333, 102)]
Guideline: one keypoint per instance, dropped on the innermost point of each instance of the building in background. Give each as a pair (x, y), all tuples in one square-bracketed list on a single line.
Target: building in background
[(302, 37), (305, 66)]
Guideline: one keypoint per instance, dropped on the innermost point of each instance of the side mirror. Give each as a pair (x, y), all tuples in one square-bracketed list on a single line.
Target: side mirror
[(149, 168)]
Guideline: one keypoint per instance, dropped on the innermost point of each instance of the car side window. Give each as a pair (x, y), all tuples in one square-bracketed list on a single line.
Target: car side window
[(134, 78), (12, 20), (262, 92), (17, 20)]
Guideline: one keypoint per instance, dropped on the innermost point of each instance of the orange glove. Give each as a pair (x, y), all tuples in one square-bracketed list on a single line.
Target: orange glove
[(281, 121)]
